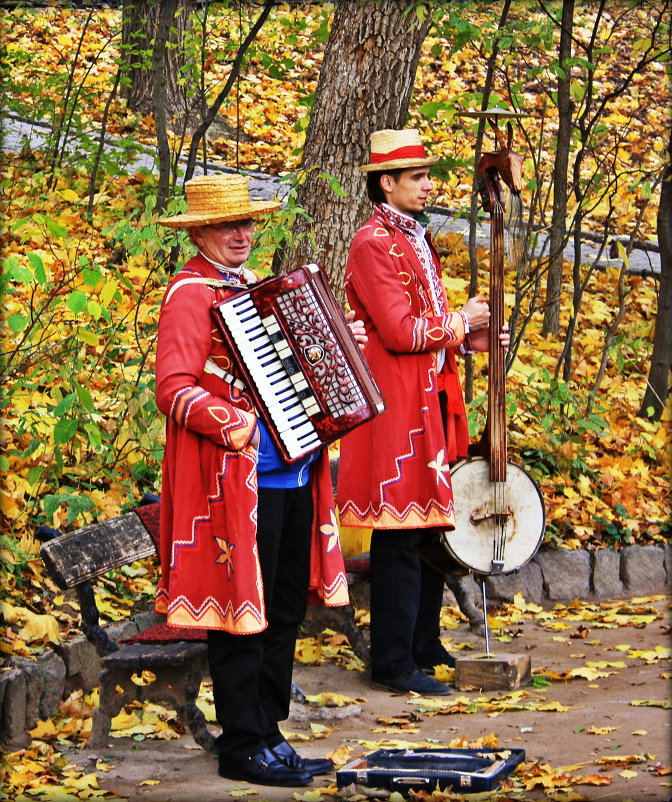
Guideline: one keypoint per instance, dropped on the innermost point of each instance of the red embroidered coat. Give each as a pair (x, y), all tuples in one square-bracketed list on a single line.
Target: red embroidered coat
[(394, 470), (210, 569)]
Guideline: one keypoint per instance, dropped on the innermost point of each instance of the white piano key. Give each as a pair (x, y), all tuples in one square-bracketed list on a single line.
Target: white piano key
[(299, 381), (311, 406), (284, 406), (291, 439), (282, 424)]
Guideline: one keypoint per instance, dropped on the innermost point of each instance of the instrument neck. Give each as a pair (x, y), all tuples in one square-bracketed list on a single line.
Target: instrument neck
[(497, 366)]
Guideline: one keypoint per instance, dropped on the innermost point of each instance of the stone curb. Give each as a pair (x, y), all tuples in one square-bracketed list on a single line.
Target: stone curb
[(564, 575), (31, 690)]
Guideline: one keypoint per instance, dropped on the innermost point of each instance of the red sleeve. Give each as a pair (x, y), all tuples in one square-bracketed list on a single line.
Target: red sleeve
[(184, 344), (377, 277)]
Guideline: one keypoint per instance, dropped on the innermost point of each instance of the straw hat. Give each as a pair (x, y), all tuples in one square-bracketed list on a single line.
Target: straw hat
[(394, 150), (216, 199)]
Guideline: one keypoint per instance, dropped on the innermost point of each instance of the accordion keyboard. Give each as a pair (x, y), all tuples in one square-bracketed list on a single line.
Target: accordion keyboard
[(276, 374)]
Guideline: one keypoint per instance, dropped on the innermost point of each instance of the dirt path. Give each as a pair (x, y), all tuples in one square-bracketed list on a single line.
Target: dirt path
[(592, 728)]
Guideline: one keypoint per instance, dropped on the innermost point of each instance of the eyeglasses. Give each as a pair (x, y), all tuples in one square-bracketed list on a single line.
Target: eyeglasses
[(231, 226)]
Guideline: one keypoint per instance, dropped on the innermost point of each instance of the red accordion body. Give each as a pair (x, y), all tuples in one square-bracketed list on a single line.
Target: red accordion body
[(299, 360)]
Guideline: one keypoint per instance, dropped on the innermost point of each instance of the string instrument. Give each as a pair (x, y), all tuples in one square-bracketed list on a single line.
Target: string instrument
[(499, 510)]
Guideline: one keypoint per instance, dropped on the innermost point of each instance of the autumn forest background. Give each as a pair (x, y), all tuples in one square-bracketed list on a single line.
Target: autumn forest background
[(85, 264)]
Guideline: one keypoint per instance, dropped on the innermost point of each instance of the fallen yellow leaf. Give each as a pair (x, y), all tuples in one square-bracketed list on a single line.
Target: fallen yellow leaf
[(600, 730), (331, 699)]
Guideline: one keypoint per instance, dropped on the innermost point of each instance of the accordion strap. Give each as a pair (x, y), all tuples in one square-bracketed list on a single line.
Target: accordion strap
[(211, 282), (211, 367)]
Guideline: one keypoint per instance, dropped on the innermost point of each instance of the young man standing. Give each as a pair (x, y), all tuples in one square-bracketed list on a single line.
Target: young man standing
[(394, 474)]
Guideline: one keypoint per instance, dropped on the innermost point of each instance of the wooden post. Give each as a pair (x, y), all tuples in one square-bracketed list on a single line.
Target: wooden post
[(487, 672)]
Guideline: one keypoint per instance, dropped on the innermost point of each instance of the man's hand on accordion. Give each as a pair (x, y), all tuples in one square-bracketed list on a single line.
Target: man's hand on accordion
[(356, 328)]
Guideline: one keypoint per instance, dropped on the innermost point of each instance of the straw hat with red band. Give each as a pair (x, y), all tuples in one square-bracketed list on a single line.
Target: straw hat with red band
[(215, 199), (396, 150)]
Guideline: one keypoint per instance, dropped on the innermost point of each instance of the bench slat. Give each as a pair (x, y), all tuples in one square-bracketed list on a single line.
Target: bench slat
[(96, 549), (140, 656)]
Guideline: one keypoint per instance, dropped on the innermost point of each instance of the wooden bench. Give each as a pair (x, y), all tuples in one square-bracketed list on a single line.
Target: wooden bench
[(178, 660)]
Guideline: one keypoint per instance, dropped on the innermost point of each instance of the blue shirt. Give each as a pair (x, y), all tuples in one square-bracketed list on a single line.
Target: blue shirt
[(272, 472)]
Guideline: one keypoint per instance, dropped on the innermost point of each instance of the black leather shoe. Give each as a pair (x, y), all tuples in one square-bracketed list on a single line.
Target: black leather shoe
[(313, 765), (411, 680), (264, 768), (443, 658)]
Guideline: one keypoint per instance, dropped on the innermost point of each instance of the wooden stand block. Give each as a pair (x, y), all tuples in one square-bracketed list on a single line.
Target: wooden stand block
[(493, 673)]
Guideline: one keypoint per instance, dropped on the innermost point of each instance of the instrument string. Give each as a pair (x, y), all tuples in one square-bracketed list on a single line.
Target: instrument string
[(497, 400)]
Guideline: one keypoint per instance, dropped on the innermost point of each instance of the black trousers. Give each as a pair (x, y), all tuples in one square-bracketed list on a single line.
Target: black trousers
[(252, 674), (406, 599)]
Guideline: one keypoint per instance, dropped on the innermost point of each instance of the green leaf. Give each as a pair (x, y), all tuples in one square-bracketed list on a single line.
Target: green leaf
[(21, 274), (56, 229), (64, 405), (51, 504), (91, 276), (93, 432), (431, 108), (76, 302), (38, 268), (85, 398), (65, 430), (17, 322), (94, 309), (34, 475)]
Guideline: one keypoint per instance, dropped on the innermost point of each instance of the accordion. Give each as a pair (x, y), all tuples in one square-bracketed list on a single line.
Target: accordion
[(299, 360)]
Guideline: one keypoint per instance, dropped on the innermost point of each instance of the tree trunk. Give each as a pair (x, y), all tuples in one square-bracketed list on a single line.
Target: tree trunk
[(365, 85), (140, 22), (160, 83), (658, 388), (559, 216)]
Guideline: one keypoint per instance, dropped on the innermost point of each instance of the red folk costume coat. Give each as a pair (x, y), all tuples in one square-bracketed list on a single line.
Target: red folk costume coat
[(210, 568), (394, 470)]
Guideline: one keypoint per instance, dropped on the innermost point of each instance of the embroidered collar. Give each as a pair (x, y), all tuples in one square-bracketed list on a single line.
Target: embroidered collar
[(414, 233), (235, 275), (404, 222)]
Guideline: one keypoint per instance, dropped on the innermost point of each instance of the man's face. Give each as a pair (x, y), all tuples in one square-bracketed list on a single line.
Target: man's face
[(407, 192), (228, 243)]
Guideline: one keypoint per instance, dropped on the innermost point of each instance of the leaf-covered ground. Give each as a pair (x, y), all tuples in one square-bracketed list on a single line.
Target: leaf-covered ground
[(83, 440), (593, 721)]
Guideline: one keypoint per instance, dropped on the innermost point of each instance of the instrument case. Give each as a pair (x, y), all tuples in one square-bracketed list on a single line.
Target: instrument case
[(457, 770)]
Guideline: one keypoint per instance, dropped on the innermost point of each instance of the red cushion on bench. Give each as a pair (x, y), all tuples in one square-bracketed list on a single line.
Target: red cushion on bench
[(150, 515), (165, 633), (359, 564)]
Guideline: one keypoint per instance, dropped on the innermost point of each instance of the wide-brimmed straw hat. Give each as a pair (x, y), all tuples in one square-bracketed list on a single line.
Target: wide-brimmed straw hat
[(396, 150), (216, 199)]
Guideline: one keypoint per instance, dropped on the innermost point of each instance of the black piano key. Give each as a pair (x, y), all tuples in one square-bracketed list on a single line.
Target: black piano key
[(290, 364)]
